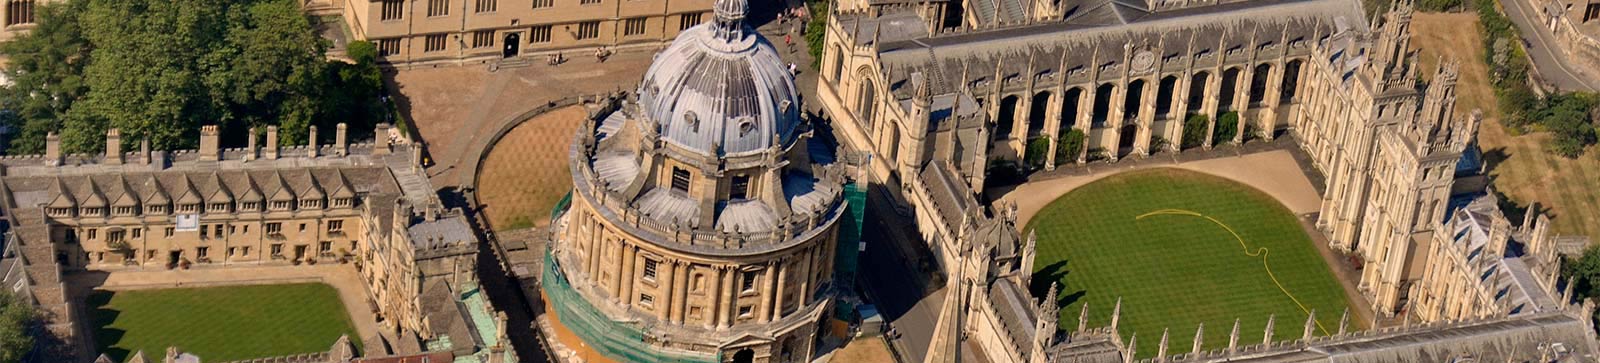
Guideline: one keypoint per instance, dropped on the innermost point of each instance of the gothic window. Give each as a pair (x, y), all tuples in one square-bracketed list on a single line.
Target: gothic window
[(838, 64), (483, 39), (487, 6), (438, 7), (687, 21), (393, 10), (587, 30), (633, 26), (388, 47), (543, 3), (866, 100), (539, 34), (433, 43)]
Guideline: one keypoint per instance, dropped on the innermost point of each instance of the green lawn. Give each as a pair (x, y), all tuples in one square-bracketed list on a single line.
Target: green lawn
[(1178, 271), (220, 323)]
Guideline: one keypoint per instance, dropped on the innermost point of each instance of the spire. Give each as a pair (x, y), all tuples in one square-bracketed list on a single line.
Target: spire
[(1028, 255), (1161, 349), (1133, 348), (1266, 336), (1083, 318), (1116, 314), (1233, 338), (1344, 321), (1199, 335), (946, 343), (1311, 323)]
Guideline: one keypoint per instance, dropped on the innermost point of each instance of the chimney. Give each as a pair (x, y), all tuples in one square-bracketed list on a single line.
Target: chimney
[(250, 145), (144, 151), (311, 143), (340, 148), (208, 143), (380, 139), (52, 149), (272, 143), (113, 147)]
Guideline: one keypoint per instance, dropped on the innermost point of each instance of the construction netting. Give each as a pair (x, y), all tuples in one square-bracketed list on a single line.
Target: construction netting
[(848, 252), (617, 341)]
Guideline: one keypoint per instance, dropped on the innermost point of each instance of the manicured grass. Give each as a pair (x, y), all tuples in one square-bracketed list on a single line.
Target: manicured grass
[(1178, 271), (220, 323)]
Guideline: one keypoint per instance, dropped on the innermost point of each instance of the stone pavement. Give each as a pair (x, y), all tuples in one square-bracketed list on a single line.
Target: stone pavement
[(344, 278)]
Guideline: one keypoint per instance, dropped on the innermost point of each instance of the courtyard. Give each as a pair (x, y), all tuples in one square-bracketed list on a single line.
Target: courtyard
[(220, 323), (526, 172), (1183, 248)]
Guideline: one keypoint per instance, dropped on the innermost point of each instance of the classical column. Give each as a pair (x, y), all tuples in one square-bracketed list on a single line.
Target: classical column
[(1052, 124), (783, 286), (1241, 87), (1119, 98), (769, 283), (713, 310), (1209, 106), (1147, 114), (728, 305), (1274, 96), (806, 279), (680, 291), (629, 253), (1086, 119)]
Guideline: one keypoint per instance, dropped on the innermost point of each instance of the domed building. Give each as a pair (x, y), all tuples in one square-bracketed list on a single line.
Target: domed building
[(704, 217)]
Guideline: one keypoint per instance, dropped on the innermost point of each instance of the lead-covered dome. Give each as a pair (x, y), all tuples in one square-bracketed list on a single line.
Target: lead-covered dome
[(721, 89)]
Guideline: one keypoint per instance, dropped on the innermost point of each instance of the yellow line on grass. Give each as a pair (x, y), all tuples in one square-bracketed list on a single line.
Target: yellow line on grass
[(1259, 252)]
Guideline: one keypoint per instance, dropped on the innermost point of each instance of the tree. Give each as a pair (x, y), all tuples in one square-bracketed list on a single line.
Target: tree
[(46, 67), (817, 32), (1227, 127), (1585, 272), (17, 317), (1037, 150)]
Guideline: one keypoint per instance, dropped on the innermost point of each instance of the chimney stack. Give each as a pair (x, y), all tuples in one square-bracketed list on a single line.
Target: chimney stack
[(113, 147), (272, 143), (311, 143), (52, 149), (340, 148), (208, 143), (144, 151), (250, 145), (380, 139)]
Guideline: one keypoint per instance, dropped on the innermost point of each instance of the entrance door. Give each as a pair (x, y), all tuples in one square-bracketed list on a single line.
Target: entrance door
[(299, 252), (513, 40)]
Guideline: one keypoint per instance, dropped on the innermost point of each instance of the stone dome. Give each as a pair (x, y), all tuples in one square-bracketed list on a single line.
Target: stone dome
[(720, 89)]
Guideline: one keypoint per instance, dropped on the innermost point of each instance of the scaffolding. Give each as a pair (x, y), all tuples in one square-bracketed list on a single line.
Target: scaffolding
[(617, 341)]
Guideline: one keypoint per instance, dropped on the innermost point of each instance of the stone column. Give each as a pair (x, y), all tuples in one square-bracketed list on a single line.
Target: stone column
[(680, 303), (625, 277), (1114, 114), (669, 287), (713, 310), (1052, 124), (806, 279), (1147, 115), (783, 286), (1180, 110), (1086, 117), (1209, 106), (1241, 99), (727, 306), (768, 287), (1274, 96)]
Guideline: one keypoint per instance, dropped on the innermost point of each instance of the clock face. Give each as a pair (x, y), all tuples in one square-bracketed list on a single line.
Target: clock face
[(1144, 60)]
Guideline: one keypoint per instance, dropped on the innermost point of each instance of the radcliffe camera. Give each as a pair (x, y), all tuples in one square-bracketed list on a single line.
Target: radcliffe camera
[(799, 181)]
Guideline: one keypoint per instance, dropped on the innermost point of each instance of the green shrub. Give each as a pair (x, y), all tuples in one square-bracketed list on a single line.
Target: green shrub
[(1068, 146), (1194, 131), (816, 32), (1227, 128), (1038, 150)]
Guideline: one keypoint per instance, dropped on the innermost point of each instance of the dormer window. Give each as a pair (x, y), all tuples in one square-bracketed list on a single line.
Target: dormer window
[(59, 212), (343, 202), (125, 211), (218, 208), (680, 180), (250, 207), (282, 205), (189, 208), (311, 204), (155, 209), (92, 212)]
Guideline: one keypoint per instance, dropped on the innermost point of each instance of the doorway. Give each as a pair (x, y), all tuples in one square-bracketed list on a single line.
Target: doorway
[(512, 41)]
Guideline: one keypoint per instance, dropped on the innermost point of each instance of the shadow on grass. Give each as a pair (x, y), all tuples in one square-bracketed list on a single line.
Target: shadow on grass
[(106, 337), (1053, 273)]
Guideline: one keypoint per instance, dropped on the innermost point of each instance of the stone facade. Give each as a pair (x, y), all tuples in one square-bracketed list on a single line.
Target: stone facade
[(19, 17), (368, 204), (453, 31), (703, 212), (936, 97), (1576, 25)]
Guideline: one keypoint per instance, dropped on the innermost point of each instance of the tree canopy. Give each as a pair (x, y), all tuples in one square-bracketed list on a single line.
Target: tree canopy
[(16, 318), (161, 68)]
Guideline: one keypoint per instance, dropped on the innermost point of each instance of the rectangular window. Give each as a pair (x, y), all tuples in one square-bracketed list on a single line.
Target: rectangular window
[(138, 232), (588, 30), (487, 6), (277, 249), (740, 188), (114, 236), (647, 300), (19, 12), (335, 226), (543, 3), (275, 228), (539, 34), (633, 26), (588, 2), (92, 233), (650, 269), (219, 231), (433, 43), (748, 284), (203, 232), (325, 247), (388, 47), (680, 180), (393, 10), (202, 251), (170, 231), (438, 7), (744, 311), (687, 21), (245, 251), (483, 39)]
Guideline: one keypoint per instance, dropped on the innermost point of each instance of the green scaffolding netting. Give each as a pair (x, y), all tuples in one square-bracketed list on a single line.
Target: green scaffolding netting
[(617, 341), (847, 253)]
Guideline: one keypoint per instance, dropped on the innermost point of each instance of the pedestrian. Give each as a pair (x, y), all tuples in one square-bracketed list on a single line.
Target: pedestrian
[(788, 42), (792, 69)]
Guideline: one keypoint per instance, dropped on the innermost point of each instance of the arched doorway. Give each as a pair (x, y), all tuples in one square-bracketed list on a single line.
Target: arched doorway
[(1008, 118), (1197, 91), (1169, 84), (1229, 90), (1126, 137), (1291, 81), (744, 356), (1069, 109), (1102, 105), (1258, 84), (1132, 101), (1036, 113), (513, 42)]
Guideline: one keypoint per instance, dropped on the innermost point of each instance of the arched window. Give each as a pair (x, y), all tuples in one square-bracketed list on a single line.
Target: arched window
[(866, 101), (838, 64)]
